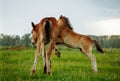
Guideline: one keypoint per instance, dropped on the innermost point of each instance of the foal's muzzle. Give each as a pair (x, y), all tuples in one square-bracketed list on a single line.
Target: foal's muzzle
[(32, 43)]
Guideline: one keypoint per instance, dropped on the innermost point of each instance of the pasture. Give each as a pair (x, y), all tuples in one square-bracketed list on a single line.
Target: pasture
[(15, 65)]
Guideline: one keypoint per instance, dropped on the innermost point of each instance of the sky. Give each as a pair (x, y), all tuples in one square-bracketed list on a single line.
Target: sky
[(89, 17)]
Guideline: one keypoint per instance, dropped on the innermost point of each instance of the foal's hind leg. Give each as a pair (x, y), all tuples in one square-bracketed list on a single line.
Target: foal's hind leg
[(37, 54), (44, 56), (93, 60), (48, 56), (94, 63)]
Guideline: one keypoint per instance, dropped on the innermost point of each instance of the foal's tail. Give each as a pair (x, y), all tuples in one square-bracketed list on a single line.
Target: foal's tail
[(47, 31), (98, 46)]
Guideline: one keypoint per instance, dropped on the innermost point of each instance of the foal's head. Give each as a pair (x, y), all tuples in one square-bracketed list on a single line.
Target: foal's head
[(34, 33), (64, 21)]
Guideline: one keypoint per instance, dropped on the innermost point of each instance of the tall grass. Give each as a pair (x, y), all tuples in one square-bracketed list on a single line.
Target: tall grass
[(15, 65)]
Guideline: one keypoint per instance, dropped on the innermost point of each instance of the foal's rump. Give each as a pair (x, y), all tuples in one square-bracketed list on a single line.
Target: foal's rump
[(50, 28)]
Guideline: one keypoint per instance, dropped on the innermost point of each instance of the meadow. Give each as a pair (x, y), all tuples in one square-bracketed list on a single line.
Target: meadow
[(15, 65)]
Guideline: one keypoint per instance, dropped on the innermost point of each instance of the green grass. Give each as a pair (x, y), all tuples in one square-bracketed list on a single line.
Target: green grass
[(15, 65)]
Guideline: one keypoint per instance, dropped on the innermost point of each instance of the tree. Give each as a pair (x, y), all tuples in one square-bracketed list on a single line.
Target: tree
[(26, 40)]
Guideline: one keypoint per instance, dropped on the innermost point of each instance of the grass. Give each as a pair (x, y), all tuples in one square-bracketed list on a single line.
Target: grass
[(15, 65)]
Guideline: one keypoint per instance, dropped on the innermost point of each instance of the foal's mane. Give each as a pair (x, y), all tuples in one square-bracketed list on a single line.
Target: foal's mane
[(67, 22)]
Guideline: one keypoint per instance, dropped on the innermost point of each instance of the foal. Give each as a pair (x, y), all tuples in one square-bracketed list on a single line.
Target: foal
[(72, 39), (79, 41), (45, 32)]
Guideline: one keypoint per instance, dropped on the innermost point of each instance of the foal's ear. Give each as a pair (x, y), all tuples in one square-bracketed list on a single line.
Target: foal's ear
[(33, 25), (61, 16)]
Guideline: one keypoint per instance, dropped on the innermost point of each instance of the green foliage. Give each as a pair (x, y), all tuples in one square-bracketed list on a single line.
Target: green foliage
[(15, 40), (15, 65), (26, 40), (7, 40)]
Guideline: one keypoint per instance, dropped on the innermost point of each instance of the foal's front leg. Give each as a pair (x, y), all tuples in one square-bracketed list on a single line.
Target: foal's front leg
[(37, 54), (57, 53)]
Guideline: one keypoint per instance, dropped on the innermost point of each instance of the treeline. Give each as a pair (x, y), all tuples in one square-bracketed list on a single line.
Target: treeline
[(112, 41), (15, 40)]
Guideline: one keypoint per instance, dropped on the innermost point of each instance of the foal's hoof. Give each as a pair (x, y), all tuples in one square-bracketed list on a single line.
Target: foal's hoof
[(95, 71), (49, 73), (32, 73), (59, 54), (45, 72)]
